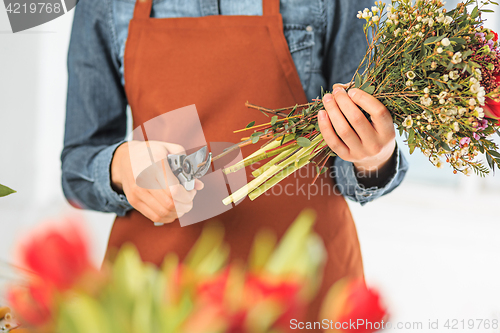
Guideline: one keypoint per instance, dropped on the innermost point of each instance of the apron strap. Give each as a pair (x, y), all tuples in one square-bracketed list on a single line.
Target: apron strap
[(270, 7), (143, 9)]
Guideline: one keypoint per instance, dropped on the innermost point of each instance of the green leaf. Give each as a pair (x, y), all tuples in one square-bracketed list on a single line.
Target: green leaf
[(475, 13), (4, 191), (432, 40), (303, 142), (369, 90), (255, 137), (457, 40), (250, 124), (357, 82), (274, 119)]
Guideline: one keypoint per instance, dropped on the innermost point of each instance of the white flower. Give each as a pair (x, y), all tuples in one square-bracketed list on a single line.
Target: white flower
[(442, 101), (448, 20), (360, 14), (375, 18), (472, 102), (443, 117), (440, 18), (389, 22), (419, 18), (481, 100), (409, 83), (443, 94), (431, 22), (411, 75), (374, 9), (427, 152), (445, 42), (426, 90), (434, 160), (426, 101), (454, 75), (461, 112), (408, 122), (396, 32), (434, 65), (449, 136), (429, 127), (445, 78), (456, 127), (480, 113), (457, 58), (467, 172), (440, 50), (475, 88)]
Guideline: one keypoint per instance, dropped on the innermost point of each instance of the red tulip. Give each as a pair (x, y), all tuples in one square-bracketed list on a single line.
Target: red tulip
[(58, 257), (33, 303), (353, 307)]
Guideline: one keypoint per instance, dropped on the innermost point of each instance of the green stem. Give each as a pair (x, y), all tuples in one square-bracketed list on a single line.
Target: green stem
[(278, 178)]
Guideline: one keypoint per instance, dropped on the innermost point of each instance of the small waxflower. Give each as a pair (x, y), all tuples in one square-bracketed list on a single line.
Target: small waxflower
[(431, 22), (440, 50), (454, 75), (426, 101), (434, 65), (457, 58), (475, 88), (409, 83), (360, 14), (375, 18), (472, 102), (426, 90), (411, 75), (446, 78), (408, 122), (448, 20), (461, 112), (375, 9), (456, 127), (445, 42)]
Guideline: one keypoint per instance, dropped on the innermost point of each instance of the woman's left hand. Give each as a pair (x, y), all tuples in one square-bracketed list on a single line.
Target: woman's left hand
[(369, 145)]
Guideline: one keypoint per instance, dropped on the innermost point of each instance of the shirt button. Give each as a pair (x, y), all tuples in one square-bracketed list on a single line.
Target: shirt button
[(309, 28)]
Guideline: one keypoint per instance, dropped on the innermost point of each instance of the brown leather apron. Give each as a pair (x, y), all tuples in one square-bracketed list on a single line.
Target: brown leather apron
[(218, 63)]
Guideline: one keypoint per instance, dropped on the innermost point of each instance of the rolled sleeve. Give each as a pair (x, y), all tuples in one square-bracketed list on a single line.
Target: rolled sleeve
[(113, 201), (347, 182)]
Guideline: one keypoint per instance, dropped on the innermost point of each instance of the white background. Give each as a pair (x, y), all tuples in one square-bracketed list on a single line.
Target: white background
[(431, 246)]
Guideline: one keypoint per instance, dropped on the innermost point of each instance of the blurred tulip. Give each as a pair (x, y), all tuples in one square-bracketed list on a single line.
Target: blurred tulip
[(351, 301), (58, 257), (33, 303)]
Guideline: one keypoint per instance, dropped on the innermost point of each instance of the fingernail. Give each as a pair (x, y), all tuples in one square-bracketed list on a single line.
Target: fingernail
[(327, 98), (352, 92), (321, 115), (337, 90)]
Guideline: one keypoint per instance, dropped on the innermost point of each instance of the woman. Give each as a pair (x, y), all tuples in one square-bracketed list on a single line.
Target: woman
[(217, 55)]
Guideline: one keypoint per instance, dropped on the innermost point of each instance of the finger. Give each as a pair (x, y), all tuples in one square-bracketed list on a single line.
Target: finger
[(151, 214), (183, 208), (162, 209), (380, 116), (180, 194), (199, 185), (340, 124), (331, 139), (356, 118)]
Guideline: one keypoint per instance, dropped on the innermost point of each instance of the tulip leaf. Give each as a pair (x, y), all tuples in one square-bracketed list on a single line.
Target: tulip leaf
[(4, 191)]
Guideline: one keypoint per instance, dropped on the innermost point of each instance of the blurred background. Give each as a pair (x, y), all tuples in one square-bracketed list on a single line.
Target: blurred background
[(431, 246)]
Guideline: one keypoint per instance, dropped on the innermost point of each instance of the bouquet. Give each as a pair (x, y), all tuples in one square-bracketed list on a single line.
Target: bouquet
[(437, 72), (205, 293)]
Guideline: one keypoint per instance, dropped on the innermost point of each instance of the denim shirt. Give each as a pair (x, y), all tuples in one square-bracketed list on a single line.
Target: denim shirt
[(325, 39)]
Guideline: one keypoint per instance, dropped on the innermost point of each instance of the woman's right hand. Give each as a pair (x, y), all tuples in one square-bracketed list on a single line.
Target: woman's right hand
[(163, 205)]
